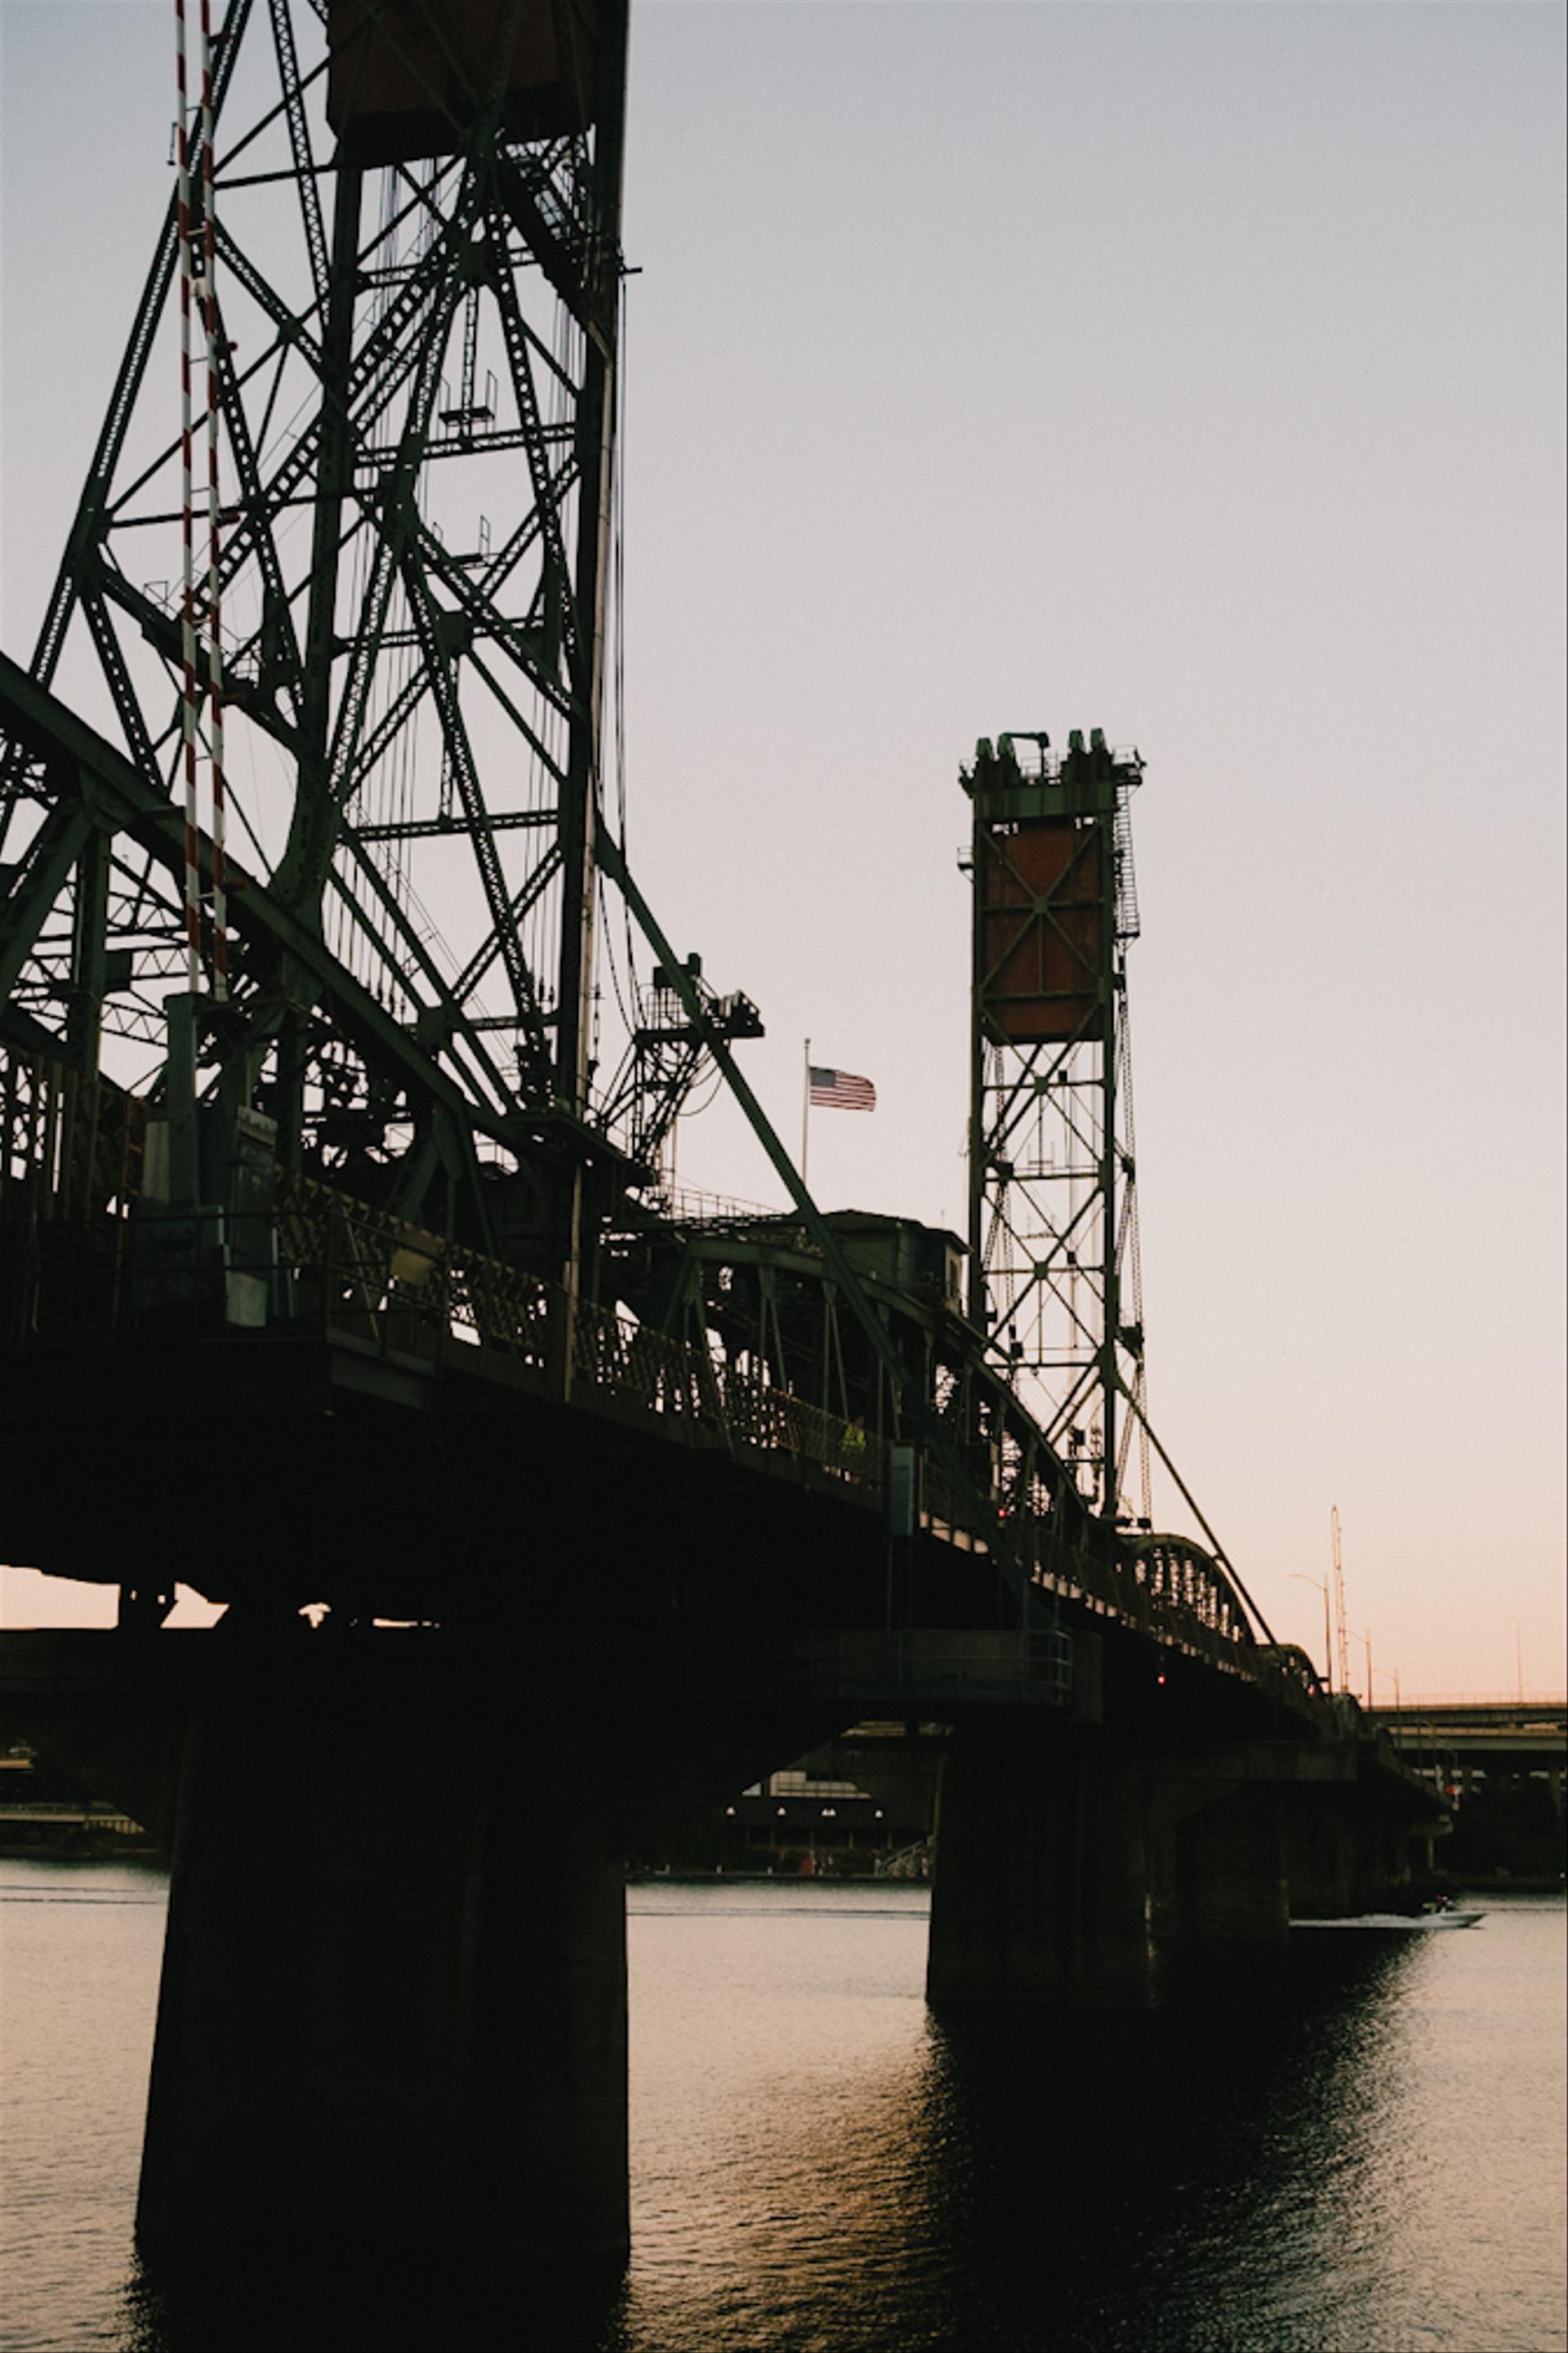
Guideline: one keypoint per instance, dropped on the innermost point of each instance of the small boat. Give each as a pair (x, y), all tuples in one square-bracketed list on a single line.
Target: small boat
[(1449, 1918)]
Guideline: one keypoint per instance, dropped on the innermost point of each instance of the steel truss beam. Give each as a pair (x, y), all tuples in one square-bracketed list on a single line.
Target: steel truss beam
[(413, 692), (412, 732)]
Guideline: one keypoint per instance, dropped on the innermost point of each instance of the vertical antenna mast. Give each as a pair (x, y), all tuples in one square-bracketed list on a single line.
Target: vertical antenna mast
[(1341, 1633)]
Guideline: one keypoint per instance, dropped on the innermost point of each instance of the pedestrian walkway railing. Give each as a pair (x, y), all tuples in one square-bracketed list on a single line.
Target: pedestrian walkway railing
[(315, 1259)]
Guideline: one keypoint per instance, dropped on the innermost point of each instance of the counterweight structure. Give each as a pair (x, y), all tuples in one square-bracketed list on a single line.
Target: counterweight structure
[(1053, 1236)]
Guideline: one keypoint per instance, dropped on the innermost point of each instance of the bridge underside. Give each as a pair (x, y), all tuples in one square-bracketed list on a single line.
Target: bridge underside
[(279, 1473), (393, 2008)]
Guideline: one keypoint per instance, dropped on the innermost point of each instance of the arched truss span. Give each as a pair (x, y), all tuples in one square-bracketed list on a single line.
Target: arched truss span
[(1182, 1574)]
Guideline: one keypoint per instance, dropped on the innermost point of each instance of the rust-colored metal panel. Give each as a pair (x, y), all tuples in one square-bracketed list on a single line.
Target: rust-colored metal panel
[(403, 72), (1042, 930)]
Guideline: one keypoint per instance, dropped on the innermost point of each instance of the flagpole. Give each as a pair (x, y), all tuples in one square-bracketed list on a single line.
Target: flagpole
[(805, 1111)]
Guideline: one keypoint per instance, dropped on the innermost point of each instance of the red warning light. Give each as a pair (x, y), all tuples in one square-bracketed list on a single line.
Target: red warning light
[(1159, 1679)]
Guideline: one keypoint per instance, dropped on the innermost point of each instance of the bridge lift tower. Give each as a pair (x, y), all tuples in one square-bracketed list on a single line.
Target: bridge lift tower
[(343, 627), (1055, 1281)]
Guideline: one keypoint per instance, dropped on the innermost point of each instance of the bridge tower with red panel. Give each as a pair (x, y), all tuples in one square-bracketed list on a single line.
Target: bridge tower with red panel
[(1055, 1281)]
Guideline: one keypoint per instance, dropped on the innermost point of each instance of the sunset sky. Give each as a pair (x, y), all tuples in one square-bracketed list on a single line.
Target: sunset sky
[(1193, 372)]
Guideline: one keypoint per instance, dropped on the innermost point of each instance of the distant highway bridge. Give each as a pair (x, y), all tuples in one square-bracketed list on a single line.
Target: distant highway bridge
[(1456, 1739)]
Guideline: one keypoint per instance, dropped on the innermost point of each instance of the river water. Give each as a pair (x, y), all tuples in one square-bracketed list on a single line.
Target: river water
[(1357, 2150)]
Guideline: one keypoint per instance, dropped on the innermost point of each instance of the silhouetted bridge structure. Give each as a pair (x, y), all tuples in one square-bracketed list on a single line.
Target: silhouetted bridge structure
[(342, 1270), (643, 1574)]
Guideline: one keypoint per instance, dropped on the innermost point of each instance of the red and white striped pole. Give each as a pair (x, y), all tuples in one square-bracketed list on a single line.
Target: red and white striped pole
[(189, 710), (213, 609)]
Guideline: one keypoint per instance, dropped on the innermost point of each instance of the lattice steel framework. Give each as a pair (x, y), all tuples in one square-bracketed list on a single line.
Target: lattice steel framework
[(1054, 1279), (396, 238), (411, 315)]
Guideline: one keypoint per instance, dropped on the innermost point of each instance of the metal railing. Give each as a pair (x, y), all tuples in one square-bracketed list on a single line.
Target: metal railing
[(365, 1275), (682, 1380), (321, 1260)]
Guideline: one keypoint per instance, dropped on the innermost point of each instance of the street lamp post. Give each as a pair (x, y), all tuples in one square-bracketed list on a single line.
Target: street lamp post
[(1391, 1675), (1323, 1585), (1517, 1659)]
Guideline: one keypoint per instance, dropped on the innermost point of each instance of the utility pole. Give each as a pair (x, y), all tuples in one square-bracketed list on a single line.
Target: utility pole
[(1341, 1633), (1321, 1584)]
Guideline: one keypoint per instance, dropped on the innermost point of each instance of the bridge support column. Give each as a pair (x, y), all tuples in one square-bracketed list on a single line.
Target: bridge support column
[(393, 2010), (1041, 1889), (1347, 1851), (1220, 1861), (1321, 1854)]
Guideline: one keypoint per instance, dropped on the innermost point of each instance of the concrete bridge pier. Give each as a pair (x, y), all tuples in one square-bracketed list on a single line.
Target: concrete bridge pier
[(1041, 1891), (1353, 1847), (394, 2007), (1066, 1860), (1332, 1868), (1219, 1858)]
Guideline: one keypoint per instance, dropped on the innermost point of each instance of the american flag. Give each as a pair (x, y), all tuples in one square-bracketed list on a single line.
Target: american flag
[(841, 1091)]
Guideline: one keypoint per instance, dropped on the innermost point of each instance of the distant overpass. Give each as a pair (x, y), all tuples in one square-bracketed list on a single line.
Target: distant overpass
[(1499, 1738)]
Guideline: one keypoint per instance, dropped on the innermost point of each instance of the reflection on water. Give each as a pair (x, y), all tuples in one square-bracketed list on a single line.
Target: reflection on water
[(249, 2305), (1354, 2150), (1099, 2182), (1357, 2149)]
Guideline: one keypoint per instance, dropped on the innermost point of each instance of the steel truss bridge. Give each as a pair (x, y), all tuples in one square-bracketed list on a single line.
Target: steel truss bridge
[(326, 1050), (340, 1259)]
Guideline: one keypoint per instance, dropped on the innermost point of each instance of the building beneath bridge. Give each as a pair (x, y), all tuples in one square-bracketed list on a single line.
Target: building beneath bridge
[(43, 1811)]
